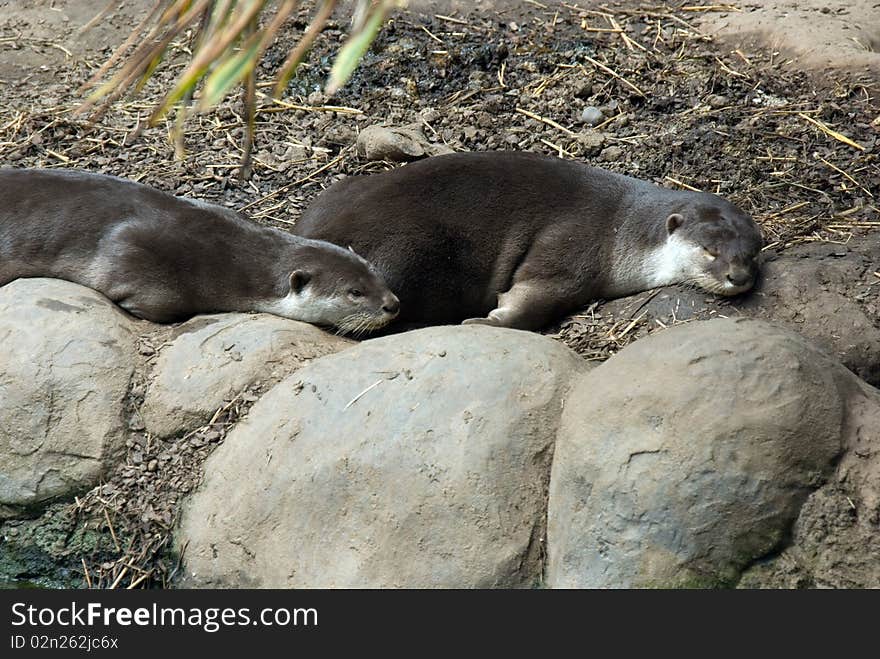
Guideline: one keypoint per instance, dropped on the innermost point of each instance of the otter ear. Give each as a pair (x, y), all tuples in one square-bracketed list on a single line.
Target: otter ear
[(673, 222), (298, 280)]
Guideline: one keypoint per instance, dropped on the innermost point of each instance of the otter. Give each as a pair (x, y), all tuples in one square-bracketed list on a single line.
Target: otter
[(520, 239), (165, 258)]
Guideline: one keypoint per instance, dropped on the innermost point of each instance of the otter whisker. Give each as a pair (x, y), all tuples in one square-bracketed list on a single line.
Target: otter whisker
[(127, 256), (359, 323)]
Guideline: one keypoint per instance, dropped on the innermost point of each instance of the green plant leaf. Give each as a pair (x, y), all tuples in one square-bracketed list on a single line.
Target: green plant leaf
[(227, 74), (305, 44), (211, 50), (235, 68), (149, 72), (355, 48)]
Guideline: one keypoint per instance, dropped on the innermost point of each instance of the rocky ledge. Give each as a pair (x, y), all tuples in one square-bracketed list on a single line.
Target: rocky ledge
[(713, 453)]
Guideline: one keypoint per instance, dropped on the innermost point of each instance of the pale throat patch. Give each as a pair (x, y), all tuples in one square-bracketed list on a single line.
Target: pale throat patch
[(304, 306), (675, 261)]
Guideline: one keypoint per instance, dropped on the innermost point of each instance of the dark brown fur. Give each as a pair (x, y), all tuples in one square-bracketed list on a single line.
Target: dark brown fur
[(459, 236), (161, 257)]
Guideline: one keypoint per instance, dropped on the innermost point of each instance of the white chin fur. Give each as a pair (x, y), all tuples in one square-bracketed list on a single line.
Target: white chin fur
[(673, 262), (729, 289), (304, 306), (677, 261), (310, 308)]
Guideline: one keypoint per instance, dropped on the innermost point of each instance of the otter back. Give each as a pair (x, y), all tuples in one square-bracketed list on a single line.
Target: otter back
[(165, 258), (518, 239)]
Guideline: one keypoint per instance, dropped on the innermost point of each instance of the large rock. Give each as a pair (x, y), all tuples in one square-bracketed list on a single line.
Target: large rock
[(836, 538), (688, 455), (213, 357), (827, 293), (66, 363), (397, 144), (415, 460)]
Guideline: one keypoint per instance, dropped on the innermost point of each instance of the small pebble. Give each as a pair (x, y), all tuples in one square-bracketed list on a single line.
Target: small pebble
[(430, 114), (591, 141), (716, 101), (592, 116), (612, 153), (317, 98)]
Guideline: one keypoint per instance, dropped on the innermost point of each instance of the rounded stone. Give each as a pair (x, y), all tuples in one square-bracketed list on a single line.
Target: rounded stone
[(687, 455), (68, 358), (415, 460)]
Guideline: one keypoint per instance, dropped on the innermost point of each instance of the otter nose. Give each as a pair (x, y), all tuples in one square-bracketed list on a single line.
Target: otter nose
[(391, 305), (739, 277)]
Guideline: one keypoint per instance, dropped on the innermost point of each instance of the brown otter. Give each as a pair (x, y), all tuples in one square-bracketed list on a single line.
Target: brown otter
[(165, 258), (519, 239)]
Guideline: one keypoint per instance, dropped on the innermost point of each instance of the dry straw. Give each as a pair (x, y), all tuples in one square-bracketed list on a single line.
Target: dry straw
[(229, 38)]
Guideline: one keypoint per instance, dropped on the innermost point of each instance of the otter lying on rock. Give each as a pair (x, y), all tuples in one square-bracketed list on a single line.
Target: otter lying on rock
[(165, 258), (520, 239)]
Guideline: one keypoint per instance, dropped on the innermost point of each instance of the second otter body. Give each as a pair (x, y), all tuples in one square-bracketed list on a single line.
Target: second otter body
[(165, 258), (519, 239)]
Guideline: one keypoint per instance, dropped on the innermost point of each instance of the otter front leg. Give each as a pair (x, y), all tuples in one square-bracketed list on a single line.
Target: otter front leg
[(528, 305), (157, 304), (154, 308)]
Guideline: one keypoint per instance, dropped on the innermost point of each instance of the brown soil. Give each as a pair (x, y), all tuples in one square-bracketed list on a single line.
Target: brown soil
[(825, 37), (682, 110)]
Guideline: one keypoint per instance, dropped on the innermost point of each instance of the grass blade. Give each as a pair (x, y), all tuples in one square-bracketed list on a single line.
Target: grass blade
[(122, 49), (206, 56), (355, 48), (305, 44), (235, 68)]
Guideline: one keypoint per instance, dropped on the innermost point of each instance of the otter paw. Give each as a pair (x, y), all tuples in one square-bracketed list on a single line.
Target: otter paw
[(480, 321)]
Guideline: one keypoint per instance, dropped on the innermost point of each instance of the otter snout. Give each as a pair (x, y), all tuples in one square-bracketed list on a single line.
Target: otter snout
[(739, 279), (391, 305)]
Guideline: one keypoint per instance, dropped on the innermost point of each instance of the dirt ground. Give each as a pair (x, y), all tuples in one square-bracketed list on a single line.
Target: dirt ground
[(756, 114), (818, 35)]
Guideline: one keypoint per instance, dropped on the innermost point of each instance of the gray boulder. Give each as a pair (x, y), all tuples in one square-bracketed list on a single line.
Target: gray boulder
[(414, 460), (213, 357), (828, 294), (66, 363), (688, 455), (836, 539), (397, 144)]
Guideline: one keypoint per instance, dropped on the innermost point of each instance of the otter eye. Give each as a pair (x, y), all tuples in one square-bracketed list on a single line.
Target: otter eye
[(710, 254), (355, 293)]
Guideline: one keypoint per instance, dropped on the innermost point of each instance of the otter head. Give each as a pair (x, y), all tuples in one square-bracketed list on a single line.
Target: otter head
[(336, 287), (713, 244)]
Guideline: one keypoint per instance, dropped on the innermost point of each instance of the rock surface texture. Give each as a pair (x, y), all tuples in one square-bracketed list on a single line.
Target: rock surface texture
[(688, 455), (836, 538), (397, 144), (213, 357), (66, 363), (828, 294), (728, 452), (416, 460)]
